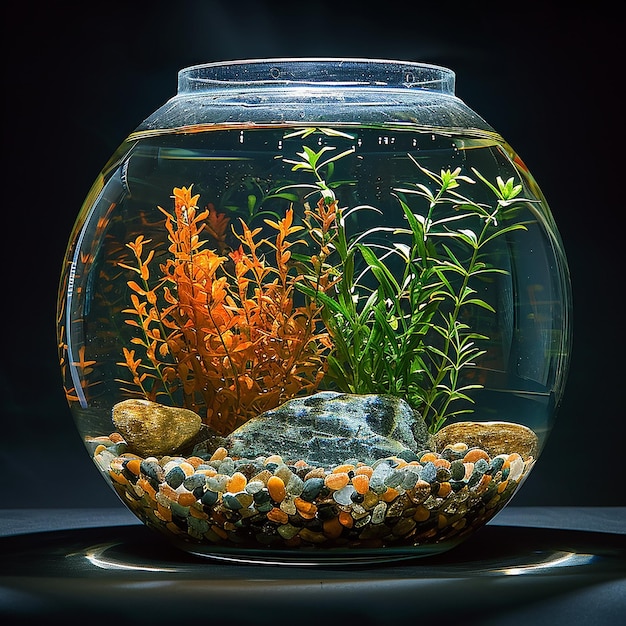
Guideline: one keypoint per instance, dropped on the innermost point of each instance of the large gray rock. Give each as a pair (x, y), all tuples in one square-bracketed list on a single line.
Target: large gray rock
[(329, 428)]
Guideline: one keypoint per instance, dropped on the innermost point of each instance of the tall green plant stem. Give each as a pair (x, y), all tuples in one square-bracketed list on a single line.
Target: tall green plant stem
[(395, 336)]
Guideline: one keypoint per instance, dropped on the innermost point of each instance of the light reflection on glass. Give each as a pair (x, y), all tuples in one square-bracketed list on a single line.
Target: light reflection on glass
[(100, 557), (96, 555), (557, 559)]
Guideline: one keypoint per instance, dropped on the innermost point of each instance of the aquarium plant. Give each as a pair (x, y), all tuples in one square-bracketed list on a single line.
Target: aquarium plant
[(223, 329)]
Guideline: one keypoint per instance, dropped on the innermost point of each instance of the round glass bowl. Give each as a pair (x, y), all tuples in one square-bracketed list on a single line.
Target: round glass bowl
[(312, 311)]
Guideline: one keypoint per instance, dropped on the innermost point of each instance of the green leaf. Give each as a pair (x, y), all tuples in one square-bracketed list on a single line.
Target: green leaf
[(320, 296), (385, 278), (469, 236)]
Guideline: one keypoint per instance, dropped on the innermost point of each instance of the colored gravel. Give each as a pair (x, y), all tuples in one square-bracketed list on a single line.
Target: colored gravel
[(269, 503)]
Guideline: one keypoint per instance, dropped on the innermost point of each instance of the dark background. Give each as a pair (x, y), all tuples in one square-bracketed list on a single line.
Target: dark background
[(79, 78)]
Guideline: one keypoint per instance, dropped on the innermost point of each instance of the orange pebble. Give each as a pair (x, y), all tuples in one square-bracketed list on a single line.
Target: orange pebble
[(361, 483), (332, 528), (483, 483), (421, 514), (316, 472), (429, 456), (209, 471), (195, 461), (116, 438), (365, 470), (390, 495), (186, 499), (345, 519), (473, 455), (188, 468), (134, 466), (444, 490), (168, 492), (276, 487), (165, 512), (219, 454), (147, 487), (118, 478), (305, 508), (337, 481), (442, 463), (469, 468), (237, 482), (347, 467), (278, 516)]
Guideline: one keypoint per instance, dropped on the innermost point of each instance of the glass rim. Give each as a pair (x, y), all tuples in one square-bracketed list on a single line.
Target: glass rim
[(346, 72)]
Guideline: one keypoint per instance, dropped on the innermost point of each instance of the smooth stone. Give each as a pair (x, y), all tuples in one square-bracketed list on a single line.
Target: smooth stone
[(329, 427), (209, 498), (378, 514), (295, 485), (175, 477), (311, 489), (496, 464), (457, 469), (429, 472), (395, 478), (493, 437), (194, 481), (231, 501), (410, 479), (150, 467), (200, 526), (153, 429), (344, 495), (380, 474)]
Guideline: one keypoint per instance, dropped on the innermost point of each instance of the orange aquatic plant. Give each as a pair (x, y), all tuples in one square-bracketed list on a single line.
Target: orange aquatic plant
[(219, 328)]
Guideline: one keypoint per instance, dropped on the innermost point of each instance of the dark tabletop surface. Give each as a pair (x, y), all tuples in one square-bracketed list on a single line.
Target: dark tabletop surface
[(529, 565)]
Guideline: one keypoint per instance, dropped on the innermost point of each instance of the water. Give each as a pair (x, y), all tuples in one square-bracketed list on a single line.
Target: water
[(248, 174)]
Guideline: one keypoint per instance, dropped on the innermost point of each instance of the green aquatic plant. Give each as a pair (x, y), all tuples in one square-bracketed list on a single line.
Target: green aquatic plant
[(402, 332)]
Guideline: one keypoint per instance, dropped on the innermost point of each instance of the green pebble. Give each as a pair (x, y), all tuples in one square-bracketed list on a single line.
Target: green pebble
[(287, 531), (311, 489), (195, 480), (262, 497), (175, 477), (231, 502), (200, 526), (457, 470), (209, 498), (177, 509), (245, 499)]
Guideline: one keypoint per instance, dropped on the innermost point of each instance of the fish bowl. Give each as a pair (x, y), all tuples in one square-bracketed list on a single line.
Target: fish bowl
[(314, 311)]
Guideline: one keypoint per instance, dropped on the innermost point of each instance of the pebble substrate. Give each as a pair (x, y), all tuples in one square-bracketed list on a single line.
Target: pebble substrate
[(422, 499)]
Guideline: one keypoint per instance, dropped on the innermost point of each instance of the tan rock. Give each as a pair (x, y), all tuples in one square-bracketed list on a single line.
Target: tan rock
[(493, 437), (153, 429)]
